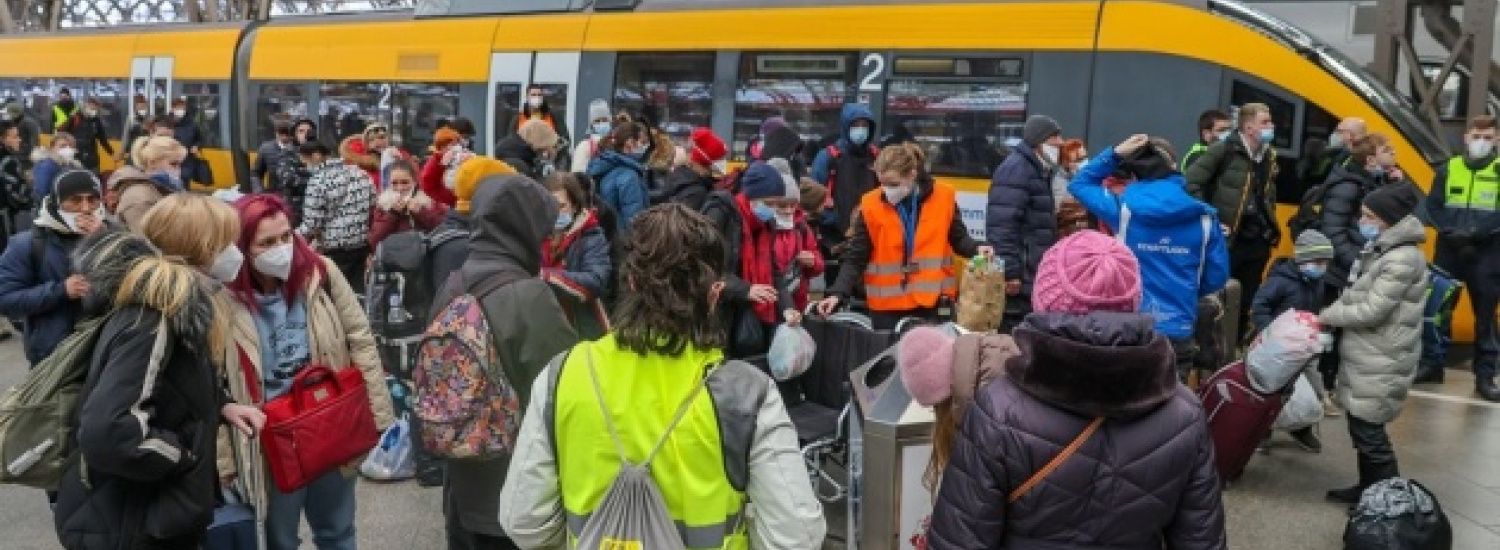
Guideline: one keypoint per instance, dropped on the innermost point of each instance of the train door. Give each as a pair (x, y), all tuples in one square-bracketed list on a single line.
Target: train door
[(513, 74), (151, 77)]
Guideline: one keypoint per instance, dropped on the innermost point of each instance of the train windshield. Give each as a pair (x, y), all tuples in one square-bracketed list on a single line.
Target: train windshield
[(1396, 108)]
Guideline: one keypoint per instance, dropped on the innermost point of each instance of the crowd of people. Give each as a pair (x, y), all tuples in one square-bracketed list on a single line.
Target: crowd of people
[(622, 276)]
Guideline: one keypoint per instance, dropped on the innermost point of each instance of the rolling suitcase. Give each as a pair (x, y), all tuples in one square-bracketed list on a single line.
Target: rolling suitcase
[(1238, 417)]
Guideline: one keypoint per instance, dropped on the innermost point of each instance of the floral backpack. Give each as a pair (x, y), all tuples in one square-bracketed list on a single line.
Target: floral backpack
[(467, 407)]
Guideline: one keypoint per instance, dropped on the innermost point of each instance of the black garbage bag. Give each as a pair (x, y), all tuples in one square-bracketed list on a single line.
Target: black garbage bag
[(1398, 514)]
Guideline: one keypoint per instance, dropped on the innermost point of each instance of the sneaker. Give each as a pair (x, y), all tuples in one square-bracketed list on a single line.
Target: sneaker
[(1308, 440), (1330, 408)]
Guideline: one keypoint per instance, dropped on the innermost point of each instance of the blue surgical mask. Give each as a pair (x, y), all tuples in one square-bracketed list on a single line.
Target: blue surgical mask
[(1267, 135), (1369, 231), (601, 128), (564, 221), (1377, 171), (1222, 135), (764, 213), (167, 180), (1312, 271), (859, 135)]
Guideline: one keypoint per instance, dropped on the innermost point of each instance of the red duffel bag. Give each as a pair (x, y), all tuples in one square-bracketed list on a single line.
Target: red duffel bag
[(324, 422)]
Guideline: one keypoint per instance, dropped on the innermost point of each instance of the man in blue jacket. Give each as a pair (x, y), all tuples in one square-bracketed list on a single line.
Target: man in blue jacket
[(846, 168), (1175, 237)]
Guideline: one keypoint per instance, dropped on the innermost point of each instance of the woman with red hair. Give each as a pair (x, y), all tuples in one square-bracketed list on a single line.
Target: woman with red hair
[(294, 308)]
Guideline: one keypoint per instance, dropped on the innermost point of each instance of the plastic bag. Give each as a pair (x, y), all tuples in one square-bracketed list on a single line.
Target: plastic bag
[(791, 354), (1303, 409), (981, 295), (391, 460), (1282, 350), (1398, 514)]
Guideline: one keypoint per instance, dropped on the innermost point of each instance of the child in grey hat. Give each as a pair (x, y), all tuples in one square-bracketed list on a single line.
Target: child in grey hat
[(1296, 283)]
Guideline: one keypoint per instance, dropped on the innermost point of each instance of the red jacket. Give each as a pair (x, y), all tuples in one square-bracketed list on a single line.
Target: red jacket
[(785, 246), (384, 223), (431, 181)]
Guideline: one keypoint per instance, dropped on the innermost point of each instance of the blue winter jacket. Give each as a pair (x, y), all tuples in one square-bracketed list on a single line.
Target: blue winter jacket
[(1167, 234), (1020, 218), (622, 185), (1285, 288), (43, 175), (852, 112), (37, 293)]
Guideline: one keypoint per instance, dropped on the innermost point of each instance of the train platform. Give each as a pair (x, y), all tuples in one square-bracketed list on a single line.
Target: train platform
[(1445, 438)]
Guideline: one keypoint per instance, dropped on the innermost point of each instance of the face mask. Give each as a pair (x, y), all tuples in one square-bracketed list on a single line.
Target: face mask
[(450, 179), (564, 221), (534, 101), (1221, 136), (896, 194), (1051, 152), (1480, 148), (276, 262), (859, 135), (763, 213), (601, 128), (785, 221), (1312, 271), (67, 153), (721, 167), (1267, 135), (179, 113), (226, 267), (90, 113), (140, 112), (1369, 231), (1377, 171), (1336, 140), (168, 180)]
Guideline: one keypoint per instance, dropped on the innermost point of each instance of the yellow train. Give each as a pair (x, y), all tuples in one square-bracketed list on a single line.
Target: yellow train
[(958, 76)]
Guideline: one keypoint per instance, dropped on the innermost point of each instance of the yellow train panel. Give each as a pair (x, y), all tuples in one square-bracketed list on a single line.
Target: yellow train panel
[(67, 56), (540, 33), (196, 55), (453, 50), (926, 26)]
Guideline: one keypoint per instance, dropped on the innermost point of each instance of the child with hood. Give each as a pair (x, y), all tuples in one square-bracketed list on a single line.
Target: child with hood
[(403, 206)]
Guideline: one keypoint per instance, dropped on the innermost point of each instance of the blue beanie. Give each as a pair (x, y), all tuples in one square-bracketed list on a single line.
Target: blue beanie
[(761, 181)]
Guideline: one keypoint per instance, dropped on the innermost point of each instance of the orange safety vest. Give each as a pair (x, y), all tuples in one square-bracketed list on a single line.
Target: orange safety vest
[(896, 283)]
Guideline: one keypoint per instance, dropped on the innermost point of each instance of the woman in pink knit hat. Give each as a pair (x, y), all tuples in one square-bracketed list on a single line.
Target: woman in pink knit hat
[(1087, 440)]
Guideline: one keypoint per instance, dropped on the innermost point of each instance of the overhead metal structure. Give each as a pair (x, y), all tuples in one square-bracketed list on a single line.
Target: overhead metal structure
[(52, 15), (1468, 36)]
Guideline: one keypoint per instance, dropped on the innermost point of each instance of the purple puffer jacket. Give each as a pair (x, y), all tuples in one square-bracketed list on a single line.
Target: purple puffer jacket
[(1145, 479)]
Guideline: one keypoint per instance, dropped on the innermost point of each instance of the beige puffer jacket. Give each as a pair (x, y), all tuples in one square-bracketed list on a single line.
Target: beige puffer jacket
[(1381, 314), (339, 335)]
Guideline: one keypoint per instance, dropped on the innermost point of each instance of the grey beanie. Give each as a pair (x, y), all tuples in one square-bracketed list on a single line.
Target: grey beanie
[(598, 109), (1312, 245), (1039, 128)]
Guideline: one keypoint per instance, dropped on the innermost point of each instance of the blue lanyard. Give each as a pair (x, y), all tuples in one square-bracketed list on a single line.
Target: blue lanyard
[(909, 214)]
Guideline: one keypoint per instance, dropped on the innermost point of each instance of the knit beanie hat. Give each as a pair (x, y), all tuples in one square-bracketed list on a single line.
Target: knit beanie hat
[(771, 124), (470, 173), (1312, 245), (538, 134), (1087, 272), (598, 109), (1039, 128), (707, 147), (762, 181), (443, 138), (75, 182), (1391, 203), (925, 358)]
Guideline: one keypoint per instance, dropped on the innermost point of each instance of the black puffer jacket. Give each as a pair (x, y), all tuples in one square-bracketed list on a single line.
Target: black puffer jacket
[(1340, 220), (150, 412), (1144, 481), (1020, 221)]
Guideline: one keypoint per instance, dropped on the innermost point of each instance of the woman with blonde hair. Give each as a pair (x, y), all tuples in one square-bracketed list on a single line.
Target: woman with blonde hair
[(50, 162), (146, 477), (293, 308), (161, 160)]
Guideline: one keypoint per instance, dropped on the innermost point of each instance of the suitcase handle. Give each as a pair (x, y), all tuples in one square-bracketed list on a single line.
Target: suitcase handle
[(305, 384)]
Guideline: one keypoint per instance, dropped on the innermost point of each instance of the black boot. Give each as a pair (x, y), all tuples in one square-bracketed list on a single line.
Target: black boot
[(1429, 373), (1486, 389), (1350, 495)]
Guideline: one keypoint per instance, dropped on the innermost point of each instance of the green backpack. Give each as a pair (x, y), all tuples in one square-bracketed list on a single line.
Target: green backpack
[(38, 418)]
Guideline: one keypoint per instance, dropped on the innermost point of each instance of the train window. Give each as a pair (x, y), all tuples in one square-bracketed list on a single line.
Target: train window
[(959, 124), (507, 107), (415, 111), (203, 108), (674, 90), (1317, 125), (278, 103), (1283, 111), (807, 89), (114, 104), (37, 99), (346, 108)]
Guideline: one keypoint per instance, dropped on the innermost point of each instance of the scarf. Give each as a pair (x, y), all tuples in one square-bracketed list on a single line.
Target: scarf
[(555, 246)]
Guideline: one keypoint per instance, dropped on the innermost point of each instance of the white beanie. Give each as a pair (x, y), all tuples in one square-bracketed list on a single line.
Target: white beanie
[(598, 109)]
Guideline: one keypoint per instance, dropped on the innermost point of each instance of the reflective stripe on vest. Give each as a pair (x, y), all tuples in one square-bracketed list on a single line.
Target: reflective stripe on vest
[(690, 469), (894, 282), (1472, 190)]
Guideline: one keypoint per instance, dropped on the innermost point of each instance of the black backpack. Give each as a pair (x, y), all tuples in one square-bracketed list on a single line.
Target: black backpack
[(399, 295), (1310, 211)]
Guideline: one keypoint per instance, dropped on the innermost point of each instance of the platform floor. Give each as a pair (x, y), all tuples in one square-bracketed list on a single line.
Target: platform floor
[(1445, 438)]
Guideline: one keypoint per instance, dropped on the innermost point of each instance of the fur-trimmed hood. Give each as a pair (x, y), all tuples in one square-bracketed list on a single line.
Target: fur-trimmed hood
[(1100, 364), (46, 153), (181, 293)]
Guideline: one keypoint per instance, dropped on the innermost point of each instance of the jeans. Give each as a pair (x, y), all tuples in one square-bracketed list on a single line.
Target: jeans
[(329, 505), (1185, 351), (1377, 458)]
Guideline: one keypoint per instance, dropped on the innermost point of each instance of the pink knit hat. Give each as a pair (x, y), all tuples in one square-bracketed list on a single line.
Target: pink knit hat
[(925, 357), (1086, 272)]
